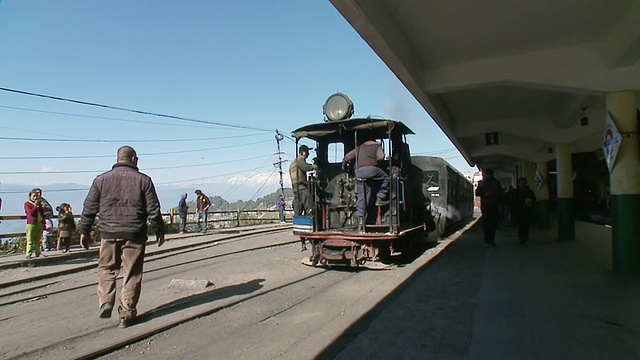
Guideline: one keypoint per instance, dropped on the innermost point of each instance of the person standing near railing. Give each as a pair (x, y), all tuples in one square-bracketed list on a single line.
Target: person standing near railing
[(202, 206), (183, 208), (47, 235), (35, 224), (281, 205), (66, 227)]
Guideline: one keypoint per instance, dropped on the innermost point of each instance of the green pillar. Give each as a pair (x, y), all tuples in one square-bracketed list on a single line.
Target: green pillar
[(566, 208), (542, 205), (625, 185)]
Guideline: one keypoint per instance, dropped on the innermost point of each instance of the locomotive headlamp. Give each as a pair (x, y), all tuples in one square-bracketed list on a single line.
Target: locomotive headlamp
[(337, 107)]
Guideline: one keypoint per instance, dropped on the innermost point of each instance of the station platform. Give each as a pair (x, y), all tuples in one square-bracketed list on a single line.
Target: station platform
[(542, 300)]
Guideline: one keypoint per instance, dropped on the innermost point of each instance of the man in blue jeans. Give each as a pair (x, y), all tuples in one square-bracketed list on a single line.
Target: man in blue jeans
[(202, 206)]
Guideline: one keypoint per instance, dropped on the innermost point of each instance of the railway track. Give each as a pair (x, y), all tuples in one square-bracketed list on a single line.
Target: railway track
[(156, 320), (156, 254), (256, 273), (149, 258)]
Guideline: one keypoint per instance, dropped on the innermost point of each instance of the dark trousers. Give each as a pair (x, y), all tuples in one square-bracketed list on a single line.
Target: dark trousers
[(365, 199), (490, 220), (301, 200), (128, 254), (523, 221), (64, 242), (183, 222)]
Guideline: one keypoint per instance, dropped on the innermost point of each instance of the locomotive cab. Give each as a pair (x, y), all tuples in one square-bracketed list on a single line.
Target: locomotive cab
[(336, 233)]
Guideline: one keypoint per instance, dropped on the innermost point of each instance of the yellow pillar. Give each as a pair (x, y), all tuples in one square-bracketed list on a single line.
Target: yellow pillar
[(566, 208), (625, 184), (542, 205)]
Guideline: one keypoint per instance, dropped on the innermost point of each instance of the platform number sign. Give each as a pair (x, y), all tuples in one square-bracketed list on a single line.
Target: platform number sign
[(491, 138), (611, 142)]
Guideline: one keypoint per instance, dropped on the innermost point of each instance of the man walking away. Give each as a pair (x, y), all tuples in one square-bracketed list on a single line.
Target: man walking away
[(490, 192), (125, 199), (202, 206), (525, 201), (183, 208)]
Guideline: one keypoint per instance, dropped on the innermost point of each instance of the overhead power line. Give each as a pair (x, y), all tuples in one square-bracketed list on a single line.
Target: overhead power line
[(173, 152), (46, 190), (101, 117), (259, 189), (88, 103), (143, 169), (121, 140), (209, 177)]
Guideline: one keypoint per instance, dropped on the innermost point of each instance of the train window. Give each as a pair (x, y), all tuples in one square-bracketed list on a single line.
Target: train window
[(335, 152), (431, 180)]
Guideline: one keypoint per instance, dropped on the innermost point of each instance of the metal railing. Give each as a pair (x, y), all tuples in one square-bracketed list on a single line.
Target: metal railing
[(228, 218)]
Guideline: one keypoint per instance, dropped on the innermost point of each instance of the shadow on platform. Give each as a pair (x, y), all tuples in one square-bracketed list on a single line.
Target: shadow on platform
[(542, 300)]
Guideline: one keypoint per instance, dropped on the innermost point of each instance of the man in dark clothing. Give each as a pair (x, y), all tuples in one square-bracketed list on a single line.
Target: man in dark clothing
[(301, 192), (367, 156), (525, 201), (202, 207), (183, 208), (490, 192), (125, 199), (281, 205), (298, 173)]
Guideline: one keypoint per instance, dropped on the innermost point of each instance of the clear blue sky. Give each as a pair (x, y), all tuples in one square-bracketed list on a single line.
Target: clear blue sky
[(262, 64)]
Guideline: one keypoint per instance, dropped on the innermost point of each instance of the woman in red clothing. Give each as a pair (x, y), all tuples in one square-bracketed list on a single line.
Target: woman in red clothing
[(35, 224)]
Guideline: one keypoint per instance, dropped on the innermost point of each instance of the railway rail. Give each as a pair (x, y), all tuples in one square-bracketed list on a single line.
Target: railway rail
[(147, 328), (253, 272), (149, 258)]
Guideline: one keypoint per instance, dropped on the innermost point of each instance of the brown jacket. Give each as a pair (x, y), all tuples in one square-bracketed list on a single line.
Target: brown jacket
[(125, 199)]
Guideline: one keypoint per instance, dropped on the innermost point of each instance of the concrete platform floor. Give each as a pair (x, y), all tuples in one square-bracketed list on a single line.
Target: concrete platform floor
[(543, 300)]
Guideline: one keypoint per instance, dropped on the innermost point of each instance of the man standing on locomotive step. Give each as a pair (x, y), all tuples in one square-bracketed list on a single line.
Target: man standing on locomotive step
[(367, 156), (125, 199), (490, 192), (300, 184)]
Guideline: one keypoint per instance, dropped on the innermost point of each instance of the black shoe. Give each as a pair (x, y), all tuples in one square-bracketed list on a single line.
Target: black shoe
[(381, 202), (304, 249), (125, 323), (105, 310)]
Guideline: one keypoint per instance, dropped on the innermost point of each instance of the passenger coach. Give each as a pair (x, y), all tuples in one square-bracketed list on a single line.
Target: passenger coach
[(451, 193)]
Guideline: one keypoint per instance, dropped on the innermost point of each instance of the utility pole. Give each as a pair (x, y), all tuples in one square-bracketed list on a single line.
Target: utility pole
[(279, 138)]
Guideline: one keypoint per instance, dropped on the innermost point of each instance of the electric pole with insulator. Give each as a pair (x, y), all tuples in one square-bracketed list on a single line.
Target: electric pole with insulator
[(279, 138)]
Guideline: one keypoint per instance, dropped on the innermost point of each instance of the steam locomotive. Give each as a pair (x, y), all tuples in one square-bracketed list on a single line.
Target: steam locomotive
[(336, 234)]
